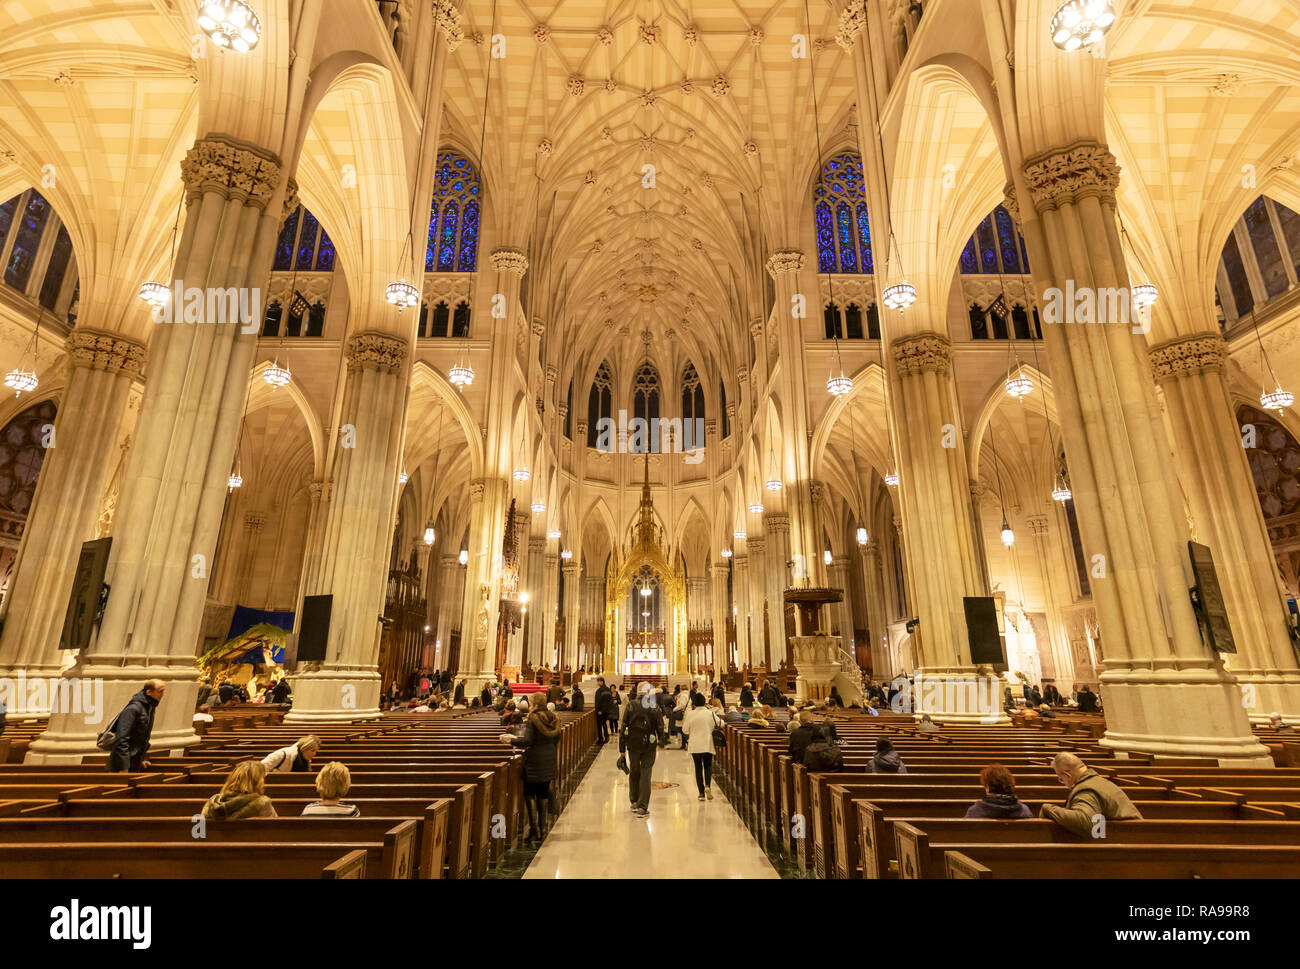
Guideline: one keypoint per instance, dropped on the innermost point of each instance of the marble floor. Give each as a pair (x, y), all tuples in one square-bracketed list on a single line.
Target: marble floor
[(597, 836)]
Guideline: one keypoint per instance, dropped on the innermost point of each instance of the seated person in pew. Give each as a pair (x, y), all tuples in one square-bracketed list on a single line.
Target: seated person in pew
[(1045, 712), (1274, 720), (295, 758), (1052, 695), (999, 800), (332, 783), (242, 796), (800, 737), (927, 725), (759, 718), (734, 716), (886, 760), (1090, 795)]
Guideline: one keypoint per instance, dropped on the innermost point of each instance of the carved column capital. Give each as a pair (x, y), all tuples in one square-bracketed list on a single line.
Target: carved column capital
[(852, 19), (102, 350), (1202, 353), (291, 199), (447, 20), (509, 260), (476, 489), (922, 353), (1065, 175), (1010, 202), (817, 491), (537, 545), (784, 261), (378, 351), (775, 523), (756, 547), (234, 169), (1037, 524), (254, 521)]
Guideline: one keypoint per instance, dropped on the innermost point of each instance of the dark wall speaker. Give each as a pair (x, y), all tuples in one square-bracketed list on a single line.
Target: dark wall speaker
[(982, 631), (86, 599), (314, 631)]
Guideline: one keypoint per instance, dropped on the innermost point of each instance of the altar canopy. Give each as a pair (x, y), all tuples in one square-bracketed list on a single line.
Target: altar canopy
[(643, 581)]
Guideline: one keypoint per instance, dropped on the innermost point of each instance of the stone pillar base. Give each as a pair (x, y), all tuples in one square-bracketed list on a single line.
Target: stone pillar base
[(31, 692), (99, 695), (958, 695), (1276, 691), (334, 696), (1198, 713)]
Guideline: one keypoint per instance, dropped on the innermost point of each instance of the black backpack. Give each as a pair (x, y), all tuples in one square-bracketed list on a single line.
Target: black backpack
[(823, 753), (640, 729)]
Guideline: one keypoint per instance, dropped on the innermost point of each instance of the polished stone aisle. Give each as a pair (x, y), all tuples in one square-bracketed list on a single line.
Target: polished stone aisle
[(597, 836)]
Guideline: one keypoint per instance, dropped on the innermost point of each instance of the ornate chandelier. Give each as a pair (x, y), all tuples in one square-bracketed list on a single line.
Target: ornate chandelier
[(537, 507), (773, 484), (234, 481), (155, 294), (899, 296), (891, 479), (522, 474), (839, 386), (756, 508), (230, 24), (1081, 23), (1144, 295), (553, 533), (401, 294), (461, 375), (1276, 399), (1019, 385), (1008, 536), (277, 376), (429, 534)]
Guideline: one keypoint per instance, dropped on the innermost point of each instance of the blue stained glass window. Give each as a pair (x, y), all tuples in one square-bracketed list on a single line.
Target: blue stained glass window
[(447, 238), (325, 254), (1007, 240), (284, 247), (453, 217), (825, 239), (848, 248), (1024, 256), (7, 218), (969, 263), (468, 260), (28, 237), (864, 240), (840, 217), (987, 248), (56, 270), (307, 242), (1236, 269)]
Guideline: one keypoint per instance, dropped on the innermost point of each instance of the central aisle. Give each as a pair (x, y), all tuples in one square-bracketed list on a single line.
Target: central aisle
[(597, 836)]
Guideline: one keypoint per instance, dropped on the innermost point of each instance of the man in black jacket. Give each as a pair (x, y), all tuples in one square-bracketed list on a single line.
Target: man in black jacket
[(769, 694), (281, 692), (578, 700), (605, 711), (640, 737), (133, 727)]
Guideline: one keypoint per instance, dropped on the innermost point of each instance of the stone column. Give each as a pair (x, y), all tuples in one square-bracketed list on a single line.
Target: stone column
[(254, 522), (842, 612), (785, 266), (743, 602), (777, 530), (357, 534), (1216, 478), (760, 584), (174, 490), (1165, 692), (65, 509), (549, 610), (538, 616), (873, 587), (488, 504), (1056, 593), (718, 571), (572, 614), (449, 604), (936, 513)]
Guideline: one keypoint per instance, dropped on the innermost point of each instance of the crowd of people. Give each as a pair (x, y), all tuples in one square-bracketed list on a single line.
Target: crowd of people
[(649, 721)]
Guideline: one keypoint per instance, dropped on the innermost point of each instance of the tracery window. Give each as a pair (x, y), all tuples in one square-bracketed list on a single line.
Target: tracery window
[(996, 246), (692, 409), (453, 216), (1260, 259), (847, 323), (304, 245), (22, 449), (840, 217), (29, 226), (600, 402), (645, 398), (722, 397)]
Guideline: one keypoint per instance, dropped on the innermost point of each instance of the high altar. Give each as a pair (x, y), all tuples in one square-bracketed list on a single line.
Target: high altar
[(647, 552)]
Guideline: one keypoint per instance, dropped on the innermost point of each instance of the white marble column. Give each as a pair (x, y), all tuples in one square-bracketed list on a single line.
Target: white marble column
[(102, 368), (1056, 595)]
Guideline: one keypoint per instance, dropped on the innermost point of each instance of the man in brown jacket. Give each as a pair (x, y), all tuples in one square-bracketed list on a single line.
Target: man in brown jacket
[(1091, 795)]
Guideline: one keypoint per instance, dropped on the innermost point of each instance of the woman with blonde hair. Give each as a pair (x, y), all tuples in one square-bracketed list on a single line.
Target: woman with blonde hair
[(332, 783), (296, 757), (242, 796)]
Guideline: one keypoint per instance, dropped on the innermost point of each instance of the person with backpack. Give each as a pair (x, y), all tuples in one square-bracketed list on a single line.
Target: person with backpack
[(698, 727), (823, 751), (641, 735), (128, 737)]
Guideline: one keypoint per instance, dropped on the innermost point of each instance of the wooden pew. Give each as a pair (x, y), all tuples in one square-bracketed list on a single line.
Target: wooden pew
[(921, 843), (235, 859), (1122, 861)]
